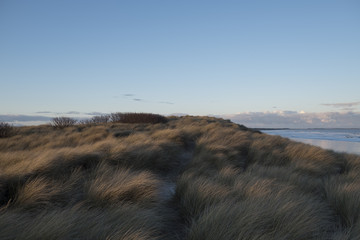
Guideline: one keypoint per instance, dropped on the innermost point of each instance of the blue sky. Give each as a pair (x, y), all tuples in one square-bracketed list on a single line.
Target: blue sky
[(196, 57)]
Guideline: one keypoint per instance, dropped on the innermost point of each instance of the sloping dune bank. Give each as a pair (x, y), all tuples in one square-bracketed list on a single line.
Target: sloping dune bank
[(188, 178)]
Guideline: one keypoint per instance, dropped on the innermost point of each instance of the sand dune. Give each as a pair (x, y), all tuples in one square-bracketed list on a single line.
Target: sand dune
[(184, 178)]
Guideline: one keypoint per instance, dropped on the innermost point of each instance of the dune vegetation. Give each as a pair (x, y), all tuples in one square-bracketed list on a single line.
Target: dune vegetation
[(191, 178)]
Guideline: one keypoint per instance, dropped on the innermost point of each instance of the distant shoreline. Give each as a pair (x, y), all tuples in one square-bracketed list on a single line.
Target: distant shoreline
[(337, 139), (271, 129), (267, 129)]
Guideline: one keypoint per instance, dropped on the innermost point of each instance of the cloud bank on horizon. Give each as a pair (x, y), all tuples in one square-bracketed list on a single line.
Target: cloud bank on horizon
[(350, 106), (294, 119), (275, 119)]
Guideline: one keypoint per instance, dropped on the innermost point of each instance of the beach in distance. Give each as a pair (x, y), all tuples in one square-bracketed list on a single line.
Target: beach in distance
[(338, 139)]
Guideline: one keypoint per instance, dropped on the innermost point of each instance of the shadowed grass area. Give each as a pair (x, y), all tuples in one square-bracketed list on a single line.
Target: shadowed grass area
[(5, 130), (78, 222), (179, 178)]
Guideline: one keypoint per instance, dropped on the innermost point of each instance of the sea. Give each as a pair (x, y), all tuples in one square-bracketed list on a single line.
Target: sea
[(337, 139)]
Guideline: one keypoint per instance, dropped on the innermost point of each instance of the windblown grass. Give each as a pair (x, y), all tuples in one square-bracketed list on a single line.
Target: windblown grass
[(118, 186), (183, 178)]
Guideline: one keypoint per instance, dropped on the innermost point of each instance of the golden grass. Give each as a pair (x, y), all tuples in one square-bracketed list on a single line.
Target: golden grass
[(116, 186), (187, 178)]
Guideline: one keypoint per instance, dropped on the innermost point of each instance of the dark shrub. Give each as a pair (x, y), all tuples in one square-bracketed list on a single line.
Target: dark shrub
[(100, 119), (123, 133), (62, 122), (137, 118), (5, 129), (85, 122), (96, 120)]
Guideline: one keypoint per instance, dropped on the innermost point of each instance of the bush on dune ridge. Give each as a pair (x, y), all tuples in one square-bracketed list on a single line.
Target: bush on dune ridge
[(5, 130), (137, 118), (96, 120), (114, 180), (118, 117), (62, 122)]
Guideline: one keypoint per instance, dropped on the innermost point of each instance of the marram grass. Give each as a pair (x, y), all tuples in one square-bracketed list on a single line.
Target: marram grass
[(179, 178)]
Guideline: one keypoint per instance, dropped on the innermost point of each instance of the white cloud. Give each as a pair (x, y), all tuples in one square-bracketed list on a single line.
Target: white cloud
[(292, 119), (24, 120), (349, 105)]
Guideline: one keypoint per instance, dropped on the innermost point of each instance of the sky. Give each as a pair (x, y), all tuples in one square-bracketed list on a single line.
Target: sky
[(262, 63)]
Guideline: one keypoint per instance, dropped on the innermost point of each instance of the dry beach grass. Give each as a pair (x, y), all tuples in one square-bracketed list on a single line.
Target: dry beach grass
[(183, 178)]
